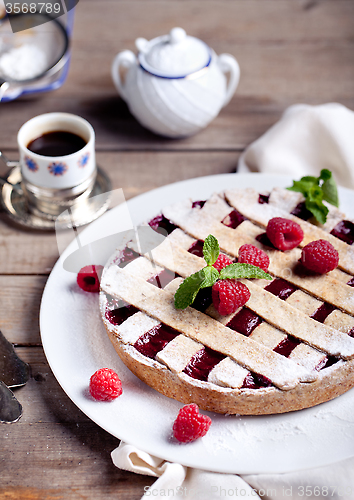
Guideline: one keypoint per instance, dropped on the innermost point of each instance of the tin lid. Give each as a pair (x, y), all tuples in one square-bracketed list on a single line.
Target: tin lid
[(175, 55)]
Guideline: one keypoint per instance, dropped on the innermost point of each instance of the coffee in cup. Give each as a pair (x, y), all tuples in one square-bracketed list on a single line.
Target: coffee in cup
[(57, 160)]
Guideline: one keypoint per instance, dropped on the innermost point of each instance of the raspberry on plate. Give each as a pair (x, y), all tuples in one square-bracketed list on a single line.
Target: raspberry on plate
[(228, 295), (190, 424), (222, 261), (285, 234), (249, 254), (319, 256), (105, 385), (88, 278)]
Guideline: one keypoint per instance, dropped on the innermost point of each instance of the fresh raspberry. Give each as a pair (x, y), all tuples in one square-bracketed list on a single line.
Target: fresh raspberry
[(249, 254), (319, 256), (190, 424), (88, 278), (228, 295), (105, 385), (285, 234), (221, 262)]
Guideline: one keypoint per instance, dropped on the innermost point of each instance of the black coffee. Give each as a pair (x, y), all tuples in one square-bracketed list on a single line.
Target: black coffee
[(57, 143)]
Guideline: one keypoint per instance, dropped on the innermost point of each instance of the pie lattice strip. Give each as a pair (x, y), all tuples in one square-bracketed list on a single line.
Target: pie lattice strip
[(299, 299), (268, 335), (298, 324), (178, 352), (340, 321), (269, 307), (199, 225), (159, 304), (246, 202)]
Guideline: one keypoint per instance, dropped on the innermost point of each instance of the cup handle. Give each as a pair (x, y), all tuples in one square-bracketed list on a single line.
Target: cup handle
[(228, 64), (126, 59)]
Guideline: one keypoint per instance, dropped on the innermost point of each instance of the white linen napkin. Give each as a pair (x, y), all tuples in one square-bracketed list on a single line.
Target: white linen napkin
[(177, 481), (305, 140), (335, 482)]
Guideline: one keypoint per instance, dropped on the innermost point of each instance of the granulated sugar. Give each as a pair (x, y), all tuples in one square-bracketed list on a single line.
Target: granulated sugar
[(23, 63)]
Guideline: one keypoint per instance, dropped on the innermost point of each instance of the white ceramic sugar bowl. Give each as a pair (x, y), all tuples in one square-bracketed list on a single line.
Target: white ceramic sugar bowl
[(176, 85)]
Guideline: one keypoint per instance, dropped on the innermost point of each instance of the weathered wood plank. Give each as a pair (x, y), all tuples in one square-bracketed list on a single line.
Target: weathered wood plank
[(33, 252), (287, 52), (20, 298), (228, 19), (41, 459), (240, 123)]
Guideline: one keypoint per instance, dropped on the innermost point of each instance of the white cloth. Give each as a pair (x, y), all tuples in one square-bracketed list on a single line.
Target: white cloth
[(335, 482), (305, 140), (176, 481)]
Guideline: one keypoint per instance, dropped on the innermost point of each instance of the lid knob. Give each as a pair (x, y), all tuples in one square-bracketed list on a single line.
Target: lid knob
[(141, 44), (177, 35)]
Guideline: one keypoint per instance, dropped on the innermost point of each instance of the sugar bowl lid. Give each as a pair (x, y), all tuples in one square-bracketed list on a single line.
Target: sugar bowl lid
[(175, 55)]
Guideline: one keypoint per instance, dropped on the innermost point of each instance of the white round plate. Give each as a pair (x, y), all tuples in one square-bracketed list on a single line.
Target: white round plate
[(76, 345)]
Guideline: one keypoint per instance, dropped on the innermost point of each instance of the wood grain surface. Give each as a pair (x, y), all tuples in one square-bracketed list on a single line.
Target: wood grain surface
[(289, 51)]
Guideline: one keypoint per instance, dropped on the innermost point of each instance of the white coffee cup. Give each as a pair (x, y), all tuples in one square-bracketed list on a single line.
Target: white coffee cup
[(54, 183)]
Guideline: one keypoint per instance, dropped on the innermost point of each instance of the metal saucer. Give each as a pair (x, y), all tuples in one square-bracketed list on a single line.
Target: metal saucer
[(15, 205)]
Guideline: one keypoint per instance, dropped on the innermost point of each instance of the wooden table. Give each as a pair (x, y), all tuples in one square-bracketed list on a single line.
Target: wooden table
[(289, 52)]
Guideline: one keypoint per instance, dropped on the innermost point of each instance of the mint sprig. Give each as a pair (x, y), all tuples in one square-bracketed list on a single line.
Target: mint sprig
[(238, 271), (315, 190), (206, 277), (211, 250)]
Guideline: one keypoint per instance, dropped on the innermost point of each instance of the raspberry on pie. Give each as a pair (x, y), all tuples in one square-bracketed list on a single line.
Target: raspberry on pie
[(285, 234), (319, 256), (290, 346), (229, 295), (249, 254), (222, 261)]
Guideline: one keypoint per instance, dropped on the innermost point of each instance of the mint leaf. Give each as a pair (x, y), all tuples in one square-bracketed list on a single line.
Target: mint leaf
[(316, 189), (318, 209), (211, 249), (301, 187), (238, 270), (311, 179), (211, 276), (325, 174), (188, 289), (330, 193)]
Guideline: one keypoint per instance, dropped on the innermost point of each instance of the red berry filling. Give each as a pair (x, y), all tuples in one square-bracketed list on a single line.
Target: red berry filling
[(196, 248), (344, 230), (285, 234), (228, 295), (190, 424), (281, 288), (245, 321), (201, 364), (234, 219), (249, 254), (105, 385), (155, 340), (88, 278), (162, 225), (319, 256)]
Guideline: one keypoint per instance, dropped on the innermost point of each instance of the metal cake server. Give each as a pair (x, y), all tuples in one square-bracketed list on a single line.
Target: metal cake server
[(13, 373), (10, 408)]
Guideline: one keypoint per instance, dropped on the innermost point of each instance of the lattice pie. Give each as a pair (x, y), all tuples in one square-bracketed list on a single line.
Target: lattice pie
[(290, 347)]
